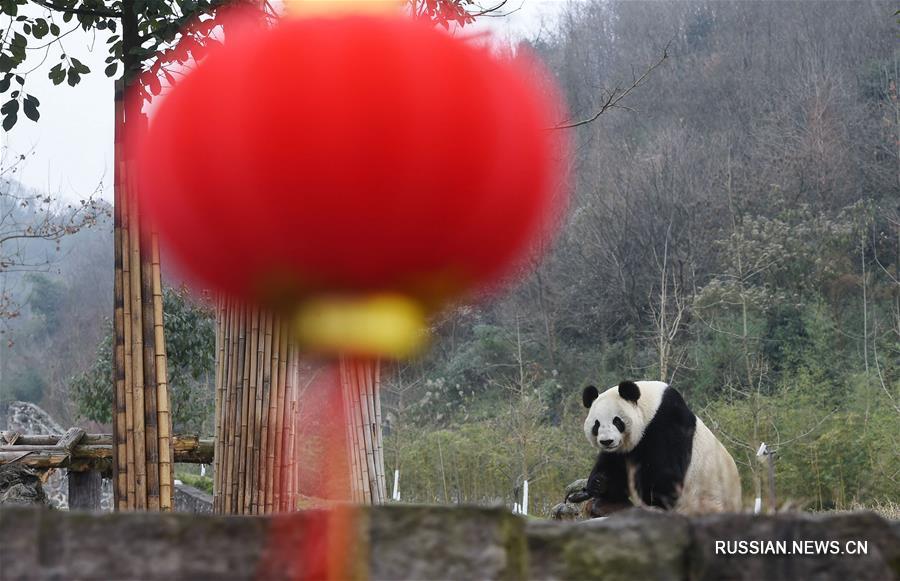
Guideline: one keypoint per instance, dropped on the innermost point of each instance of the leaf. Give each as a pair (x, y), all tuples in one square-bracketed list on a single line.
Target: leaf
[(4, 84), (9, 121), (11, 106), (10, 111), (40, 28), (111, 69), (80, 66), (153, 84), (57, 74), (72, 77), (30, 107), (54, 29)]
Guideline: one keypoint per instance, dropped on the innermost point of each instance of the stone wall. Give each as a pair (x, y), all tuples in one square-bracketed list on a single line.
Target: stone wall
[(423, 542), (190, 499)]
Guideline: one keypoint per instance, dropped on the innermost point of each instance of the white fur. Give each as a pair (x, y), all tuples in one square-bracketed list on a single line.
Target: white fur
[(712, 482)]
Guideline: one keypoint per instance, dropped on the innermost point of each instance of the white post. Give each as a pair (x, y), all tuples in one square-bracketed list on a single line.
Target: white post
[(525, 498), (396, 494), (757, 504)]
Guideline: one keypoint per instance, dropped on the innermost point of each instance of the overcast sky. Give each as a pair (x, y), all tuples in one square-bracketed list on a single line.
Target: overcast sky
[(70, 149)]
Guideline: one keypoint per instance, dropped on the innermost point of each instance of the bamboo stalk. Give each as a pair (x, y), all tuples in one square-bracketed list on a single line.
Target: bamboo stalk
[(289, 383), (120, 466), (359, 428), (137, 358), (236, 375), (290, 428), (163, 409), (380, 459), (248, 397), (370, 370), (151, 420), (353, 457), (219, 380), (366, 385), (128, 332), (262, 431), (365, 408), (281, 394), (270, 404), (250, 412), (242, 384)]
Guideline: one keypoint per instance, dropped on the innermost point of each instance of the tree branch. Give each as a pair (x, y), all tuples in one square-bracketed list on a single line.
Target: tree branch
[(615, 96), (80, 11)]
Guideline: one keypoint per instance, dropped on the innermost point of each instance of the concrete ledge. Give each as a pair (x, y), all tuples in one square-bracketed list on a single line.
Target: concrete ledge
[(428, 542)]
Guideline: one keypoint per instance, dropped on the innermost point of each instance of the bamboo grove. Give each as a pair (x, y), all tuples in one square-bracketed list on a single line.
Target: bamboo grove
[(264, 448), (141, 421)]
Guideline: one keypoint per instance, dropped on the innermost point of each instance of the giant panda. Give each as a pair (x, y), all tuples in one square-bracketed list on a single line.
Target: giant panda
[(677, 463)]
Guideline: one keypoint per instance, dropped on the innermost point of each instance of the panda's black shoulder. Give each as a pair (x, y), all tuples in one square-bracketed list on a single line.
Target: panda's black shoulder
[(663, 454), (673, 409), (669, 435)]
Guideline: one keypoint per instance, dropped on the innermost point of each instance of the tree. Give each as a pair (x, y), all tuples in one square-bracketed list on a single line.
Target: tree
[(29, 220), (147, 43), (190, 338)]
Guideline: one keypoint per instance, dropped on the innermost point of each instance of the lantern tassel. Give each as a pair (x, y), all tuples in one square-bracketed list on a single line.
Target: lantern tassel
[(386, 325)]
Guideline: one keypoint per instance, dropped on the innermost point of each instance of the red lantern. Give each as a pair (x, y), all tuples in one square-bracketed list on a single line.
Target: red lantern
[(352, 157)]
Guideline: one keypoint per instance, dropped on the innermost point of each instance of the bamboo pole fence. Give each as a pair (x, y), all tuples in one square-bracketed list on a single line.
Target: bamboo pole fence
[(142, 463), (262, 448)]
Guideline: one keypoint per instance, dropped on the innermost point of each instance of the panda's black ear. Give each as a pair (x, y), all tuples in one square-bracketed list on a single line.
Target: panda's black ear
[(628, 390), (588, 396)]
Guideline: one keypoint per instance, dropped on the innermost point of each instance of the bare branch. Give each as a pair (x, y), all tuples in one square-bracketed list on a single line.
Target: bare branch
[(614, 97)]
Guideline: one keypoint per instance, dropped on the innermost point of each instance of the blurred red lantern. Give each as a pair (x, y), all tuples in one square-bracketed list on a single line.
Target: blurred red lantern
[(352, 157)]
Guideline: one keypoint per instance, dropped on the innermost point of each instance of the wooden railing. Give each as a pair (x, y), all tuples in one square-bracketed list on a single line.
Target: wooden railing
[(86, 456)]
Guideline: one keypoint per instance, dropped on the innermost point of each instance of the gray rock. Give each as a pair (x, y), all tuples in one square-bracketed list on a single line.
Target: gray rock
[(630, 545), (439, 542), (428, 542), (21, 485)]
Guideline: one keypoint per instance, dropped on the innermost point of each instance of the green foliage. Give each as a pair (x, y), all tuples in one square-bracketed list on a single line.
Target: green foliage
[(204, 483), (190, 345), (92, 391), (159, 26), (45, 299), (169, 34)]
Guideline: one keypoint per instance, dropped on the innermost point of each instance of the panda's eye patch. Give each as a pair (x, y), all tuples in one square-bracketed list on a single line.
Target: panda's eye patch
[(596, 427), (619, 424)]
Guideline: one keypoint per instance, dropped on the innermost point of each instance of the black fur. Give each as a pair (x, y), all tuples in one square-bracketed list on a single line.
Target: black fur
[(629, 391), (662, 456), (588, 396), (607, 486), (660, 460)]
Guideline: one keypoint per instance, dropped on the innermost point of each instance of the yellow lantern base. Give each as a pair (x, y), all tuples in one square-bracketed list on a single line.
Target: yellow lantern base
[(384, 325)]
